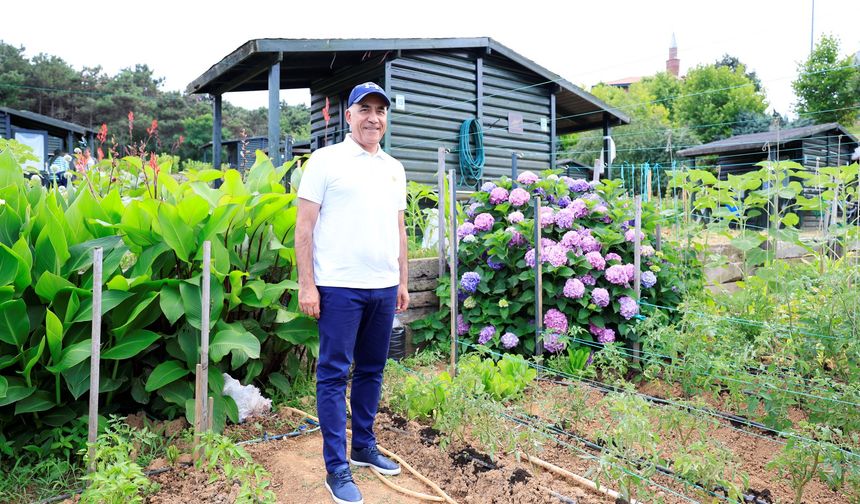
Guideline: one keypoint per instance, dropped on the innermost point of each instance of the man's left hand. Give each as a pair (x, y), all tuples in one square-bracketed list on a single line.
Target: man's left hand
[(402, 299)]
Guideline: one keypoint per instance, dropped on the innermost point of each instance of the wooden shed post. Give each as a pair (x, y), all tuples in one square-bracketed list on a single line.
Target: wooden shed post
[(453, 256), (216, 132), (275, 111), (538, 282), (441, 209)]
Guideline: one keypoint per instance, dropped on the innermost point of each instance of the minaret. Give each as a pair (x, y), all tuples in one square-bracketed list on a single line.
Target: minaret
[(673, 64)]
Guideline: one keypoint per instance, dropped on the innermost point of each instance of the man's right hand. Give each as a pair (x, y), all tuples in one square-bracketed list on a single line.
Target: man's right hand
[(309, 300)]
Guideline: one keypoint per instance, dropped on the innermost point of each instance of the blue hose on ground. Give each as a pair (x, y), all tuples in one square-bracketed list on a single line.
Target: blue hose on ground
[(471, 167)]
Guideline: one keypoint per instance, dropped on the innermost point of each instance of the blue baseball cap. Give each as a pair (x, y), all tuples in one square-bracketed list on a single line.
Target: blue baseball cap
[(368, 88)]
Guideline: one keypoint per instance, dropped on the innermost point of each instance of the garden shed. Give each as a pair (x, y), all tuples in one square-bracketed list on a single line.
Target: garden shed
[(434, 84), (42, 133), (237, 146), (814, 146)]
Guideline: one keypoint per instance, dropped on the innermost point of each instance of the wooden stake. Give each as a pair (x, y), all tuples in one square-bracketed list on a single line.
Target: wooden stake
[(406, 491), (452, 249), (538, 282), (95, 357), (440, 205), (198, 410), (205, 292), (637, 262), (210, 408)]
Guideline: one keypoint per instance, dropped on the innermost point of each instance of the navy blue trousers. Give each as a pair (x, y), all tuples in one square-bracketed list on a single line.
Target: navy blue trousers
[(354, 326)]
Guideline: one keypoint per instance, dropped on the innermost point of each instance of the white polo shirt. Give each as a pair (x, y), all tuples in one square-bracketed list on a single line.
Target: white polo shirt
[(356, 240)]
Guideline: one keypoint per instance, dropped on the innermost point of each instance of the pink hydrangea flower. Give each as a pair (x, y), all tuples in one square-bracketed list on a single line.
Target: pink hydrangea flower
[(600, 297), (578, 207), (596, 260), (571, 239), (552, 343), (498, 195), (516, 238), (630, 235), (530, 258), (519, 197), (546, 217), (628, 307), (612, 256), (465, 229), (588, 280), (462, 326), (564, 218), (484, 222), (555, 320), (527, 178), (617, 274), (555, 255), (486, 334), (515, 217), (510, 340), (574, 288)]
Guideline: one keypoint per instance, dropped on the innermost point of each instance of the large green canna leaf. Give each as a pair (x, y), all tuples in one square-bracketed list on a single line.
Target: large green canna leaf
[(31, 357), (72, 356), (78, 379), (40, 400), (193, 209), (142, 312), (4, 386), (9, 262), (16, 390), (164, 373), (235, 339), (176, 232), (81, 254), (301, 331), (110, 300), (177, 393), (192, 299), (14, 323), (136, 224), (54, 333), (58, 417), (131, 345), (171, 303), (22, 250), (50, 284)]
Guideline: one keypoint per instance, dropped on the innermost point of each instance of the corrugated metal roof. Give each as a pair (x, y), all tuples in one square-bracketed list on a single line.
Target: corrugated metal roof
[(758, 140), (304, 61)]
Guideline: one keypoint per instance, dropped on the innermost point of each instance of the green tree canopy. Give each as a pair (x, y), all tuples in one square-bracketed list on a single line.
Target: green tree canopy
[(714, 98), (645, 139), (827, 86)]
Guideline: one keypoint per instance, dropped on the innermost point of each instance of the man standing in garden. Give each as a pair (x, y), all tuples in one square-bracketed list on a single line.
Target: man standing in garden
[(351, 255)]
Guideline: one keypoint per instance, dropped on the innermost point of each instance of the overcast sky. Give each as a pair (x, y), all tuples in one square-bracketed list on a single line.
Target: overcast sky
[(584, 42)]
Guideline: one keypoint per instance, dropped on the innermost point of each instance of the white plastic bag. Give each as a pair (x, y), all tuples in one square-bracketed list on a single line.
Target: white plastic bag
[(248, 398)]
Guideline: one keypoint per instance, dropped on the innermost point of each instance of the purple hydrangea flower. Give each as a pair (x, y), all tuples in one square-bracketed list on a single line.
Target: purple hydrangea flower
[(462, 326), (547, 242), (465, 229), (493, 264), (484, 222), (498, 195), (539, 191), (648, 279), (590, 244), (596, 260), (516, 238), (552, 343), (579, 208), (515, 217), (564, 218), (574, 288), (554, 319), (629, 307), (486, 334), (530, 258), (564, 201), (600, 210), (487, 187), (630, 235), (519, 197), (612, 256), (471, 209), (606, 336), (579, 185), (600, 297), (546, 217), (527, 178), (469, 281), (555, 255), (571, 239), (630, 269), (510, 340), (588, 280), (617, 274)]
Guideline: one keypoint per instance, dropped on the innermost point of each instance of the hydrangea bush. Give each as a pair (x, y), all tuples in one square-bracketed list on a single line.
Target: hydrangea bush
[(586, 252)]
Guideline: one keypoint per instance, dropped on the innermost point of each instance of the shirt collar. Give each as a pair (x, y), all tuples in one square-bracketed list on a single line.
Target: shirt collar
[(356, 150)]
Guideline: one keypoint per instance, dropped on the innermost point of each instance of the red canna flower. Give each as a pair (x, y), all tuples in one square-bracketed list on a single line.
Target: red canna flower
[(153, 163), (102, 136), (152, 129), (130, 124), (100, 153), (325, 111)]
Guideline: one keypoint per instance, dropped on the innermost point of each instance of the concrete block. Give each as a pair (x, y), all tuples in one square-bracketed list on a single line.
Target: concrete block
[(424, 268), (422, 284), (729, 273), (423, 299)]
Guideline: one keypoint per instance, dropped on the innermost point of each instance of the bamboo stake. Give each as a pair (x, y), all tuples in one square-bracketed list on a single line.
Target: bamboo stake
[(390, 455), (95, 358), (575, 477), (198, 410), (406, 491), (211, 406)]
